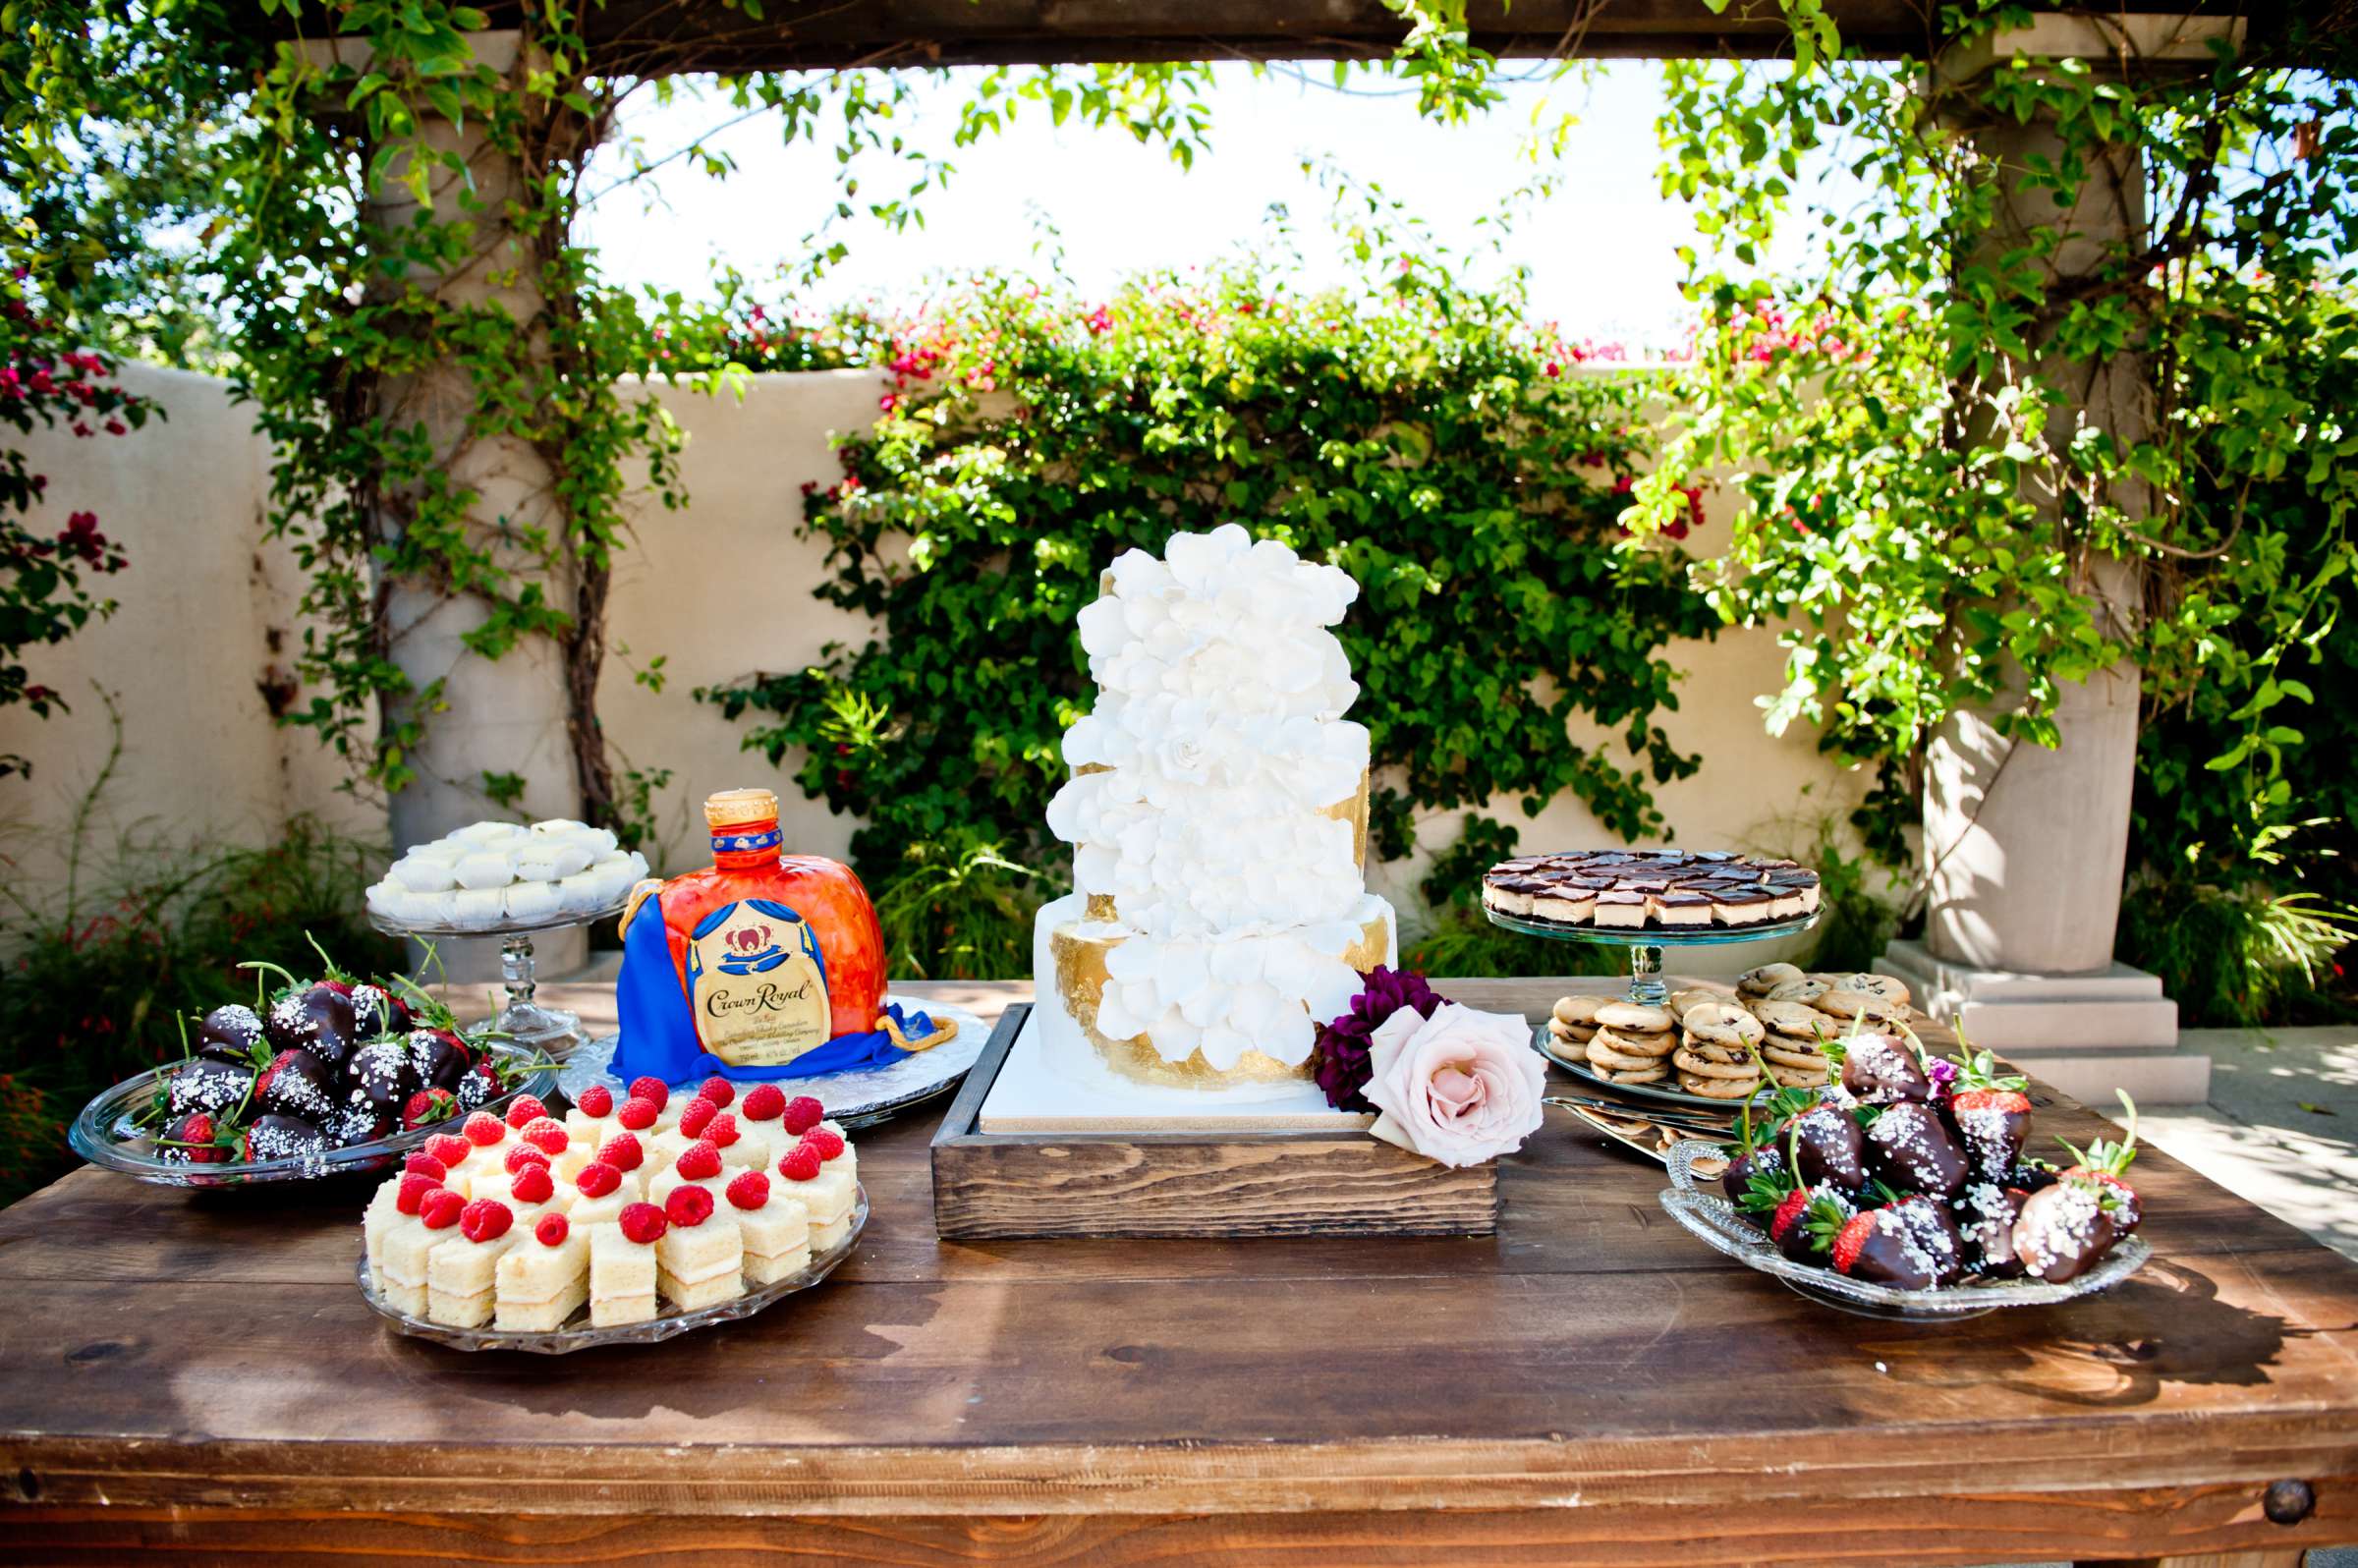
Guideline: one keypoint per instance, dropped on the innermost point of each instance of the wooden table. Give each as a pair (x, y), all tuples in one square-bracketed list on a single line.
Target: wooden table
[(196, 1373)]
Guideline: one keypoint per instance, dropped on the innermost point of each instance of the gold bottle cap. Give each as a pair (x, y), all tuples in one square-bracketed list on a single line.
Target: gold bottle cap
[(736, 808)]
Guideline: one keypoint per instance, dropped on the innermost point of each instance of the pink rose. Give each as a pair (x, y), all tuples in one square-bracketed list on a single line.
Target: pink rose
[(1460, 1087)]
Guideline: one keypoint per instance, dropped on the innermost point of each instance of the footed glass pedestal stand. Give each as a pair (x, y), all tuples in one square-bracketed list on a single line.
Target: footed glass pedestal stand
[(1646, 943), (551, 1030)]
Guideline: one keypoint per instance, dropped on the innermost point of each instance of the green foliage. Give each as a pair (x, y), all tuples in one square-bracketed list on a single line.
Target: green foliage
[(2237, 955), (1856, 914), (1460, 939), (1415, 437), (958, 913), (1927, 514), (98, 977)]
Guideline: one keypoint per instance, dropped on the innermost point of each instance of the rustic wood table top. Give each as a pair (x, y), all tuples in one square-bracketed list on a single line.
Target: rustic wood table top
[(196, 1373)]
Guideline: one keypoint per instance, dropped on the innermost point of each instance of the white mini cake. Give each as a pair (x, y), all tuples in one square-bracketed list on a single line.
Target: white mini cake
[(775, 1229), (459, 1272), (622, 1274), (542, 1280), (699, 1261), (596, 1209), (828, 1194)]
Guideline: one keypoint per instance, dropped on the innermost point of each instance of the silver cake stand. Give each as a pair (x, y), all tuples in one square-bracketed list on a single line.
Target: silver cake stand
[(1646, 943), (550, 1030)]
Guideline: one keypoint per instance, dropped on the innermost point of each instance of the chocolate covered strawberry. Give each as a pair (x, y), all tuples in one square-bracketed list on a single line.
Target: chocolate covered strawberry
[(439, 1057), (2065, 1230), (297, 1083), (275, 1137), (376, 1011), (231, 1032), (1910, 1149), (193, 1140), (1910, 1245), (1808, 1219), (1992, 1117), (1826, 1146), (208, 1085), (1883, 1070), (1986, 1214), (382, 1076)]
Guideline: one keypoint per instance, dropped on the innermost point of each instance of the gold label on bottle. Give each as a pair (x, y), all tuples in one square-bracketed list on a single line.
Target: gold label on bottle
[(759, 983)]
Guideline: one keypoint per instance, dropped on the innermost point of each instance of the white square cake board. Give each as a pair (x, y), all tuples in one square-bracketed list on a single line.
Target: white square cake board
[(1031, 1096)]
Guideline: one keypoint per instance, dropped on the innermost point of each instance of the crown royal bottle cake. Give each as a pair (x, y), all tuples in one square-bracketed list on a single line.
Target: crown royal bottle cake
[(762, 965)]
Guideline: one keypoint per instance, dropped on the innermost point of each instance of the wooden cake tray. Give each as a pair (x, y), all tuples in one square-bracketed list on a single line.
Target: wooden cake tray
[(1210, 1183)]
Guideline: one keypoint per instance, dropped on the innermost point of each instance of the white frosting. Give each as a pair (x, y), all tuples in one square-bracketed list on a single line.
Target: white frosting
[(1219, 722)]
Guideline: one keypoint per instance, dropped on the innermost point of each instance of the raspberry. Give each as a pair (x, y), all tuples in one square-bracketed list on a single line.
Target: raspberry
[(483, 1129), (651, 1090), (448, 1148), (764, 1102), (622, 1152), (596, 1100), (803, 1113), (698, 1161), (718, 1090), (643, 1223), (696, 1117), (722, 1131), (410, 1194), (526, 1108), (524, 1155), (638, 1115), (829, 1144), (533, 1185), (486, 1219), (750, 1189), (552, 1230), (597, 1178), (422, 1163), (688, 1206), (440, 1208), (801, 1164), (546, 1133)]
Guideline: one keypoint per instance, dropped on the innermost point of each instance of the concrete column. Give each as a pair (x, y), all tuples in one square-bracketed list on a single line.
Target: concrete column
[(2026, 845), (491, 716)]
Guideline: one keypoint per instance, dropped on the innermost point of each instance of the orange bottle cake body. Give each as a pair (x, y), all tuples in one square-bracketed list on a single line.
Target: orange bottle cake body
[(772, 956)]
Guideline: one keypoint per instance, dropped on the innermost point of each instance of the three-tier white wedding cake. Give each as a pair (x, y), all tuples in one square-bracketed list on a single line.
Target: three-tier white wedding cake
[(1218, 814)]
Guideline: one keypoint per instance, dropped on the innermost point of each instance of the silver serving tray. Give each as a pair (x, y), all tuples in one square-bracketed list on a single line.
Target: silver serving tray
[(858, 1098), (669, 1322), (1718, 1223)]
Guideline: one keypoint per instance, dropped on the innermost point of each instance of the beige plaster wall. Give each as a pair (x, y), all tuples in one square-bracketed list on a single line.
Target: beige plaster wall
[(720, 590)]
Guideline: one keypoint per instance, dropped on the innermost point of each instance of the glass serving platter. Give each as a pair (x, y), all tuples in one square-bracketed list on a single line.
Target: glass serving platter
[(1715, 1221), (103, 1135), (1645, 942), (668, 1324)]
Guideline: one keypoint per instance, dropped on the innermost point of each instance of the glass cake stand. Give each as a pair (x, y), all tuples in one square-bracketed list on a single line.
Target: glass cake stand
[(550, 1030), (1646, 943)]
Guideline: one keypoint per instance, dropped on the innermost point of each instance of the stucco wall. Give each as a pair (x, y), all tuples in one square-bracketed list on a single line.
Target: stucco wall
[(720, 590)]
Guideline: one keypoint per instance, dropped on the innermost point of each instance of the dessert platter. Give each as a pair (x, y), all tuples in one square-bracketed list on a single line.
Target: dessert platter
[(1706, 1052), (512, 882), (1905, 1190), (322, 1077), (1647, 900), (624, 1222)]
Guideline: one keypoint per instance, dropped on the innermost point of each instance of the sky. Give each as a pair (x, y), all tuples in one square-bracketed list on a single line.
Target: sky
[(1602, 249)]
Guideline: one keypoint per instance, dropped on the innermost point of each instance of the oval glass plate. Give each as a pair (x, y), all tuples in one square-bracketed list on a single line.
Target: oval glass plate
[(1716, 1221), (858, 1098), (668, 1324), (104, 1135)]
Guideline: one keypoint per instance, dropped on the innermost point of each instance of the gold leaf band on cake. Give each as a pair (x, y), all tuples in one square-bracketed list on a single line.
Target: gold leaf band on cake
[(1081, 980)]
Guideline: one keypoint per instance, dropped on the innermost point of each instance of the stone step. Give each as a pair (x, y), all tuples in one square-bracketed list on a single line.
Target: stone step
[(1913, 962), (2061, 1026), (2151, 1076)]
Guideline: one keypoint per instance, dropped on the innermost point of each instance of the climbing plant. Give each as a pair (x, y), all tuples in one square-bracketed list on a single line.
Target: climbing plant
[(1903, 365), (1413, 432)]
